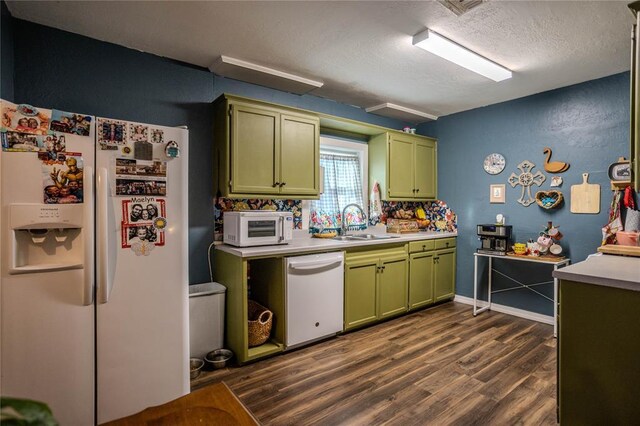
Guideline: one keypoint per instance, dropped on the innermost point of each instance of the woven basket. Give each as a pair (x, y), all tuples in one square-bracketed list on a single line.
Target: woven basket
[(555, 197), (260, 322)]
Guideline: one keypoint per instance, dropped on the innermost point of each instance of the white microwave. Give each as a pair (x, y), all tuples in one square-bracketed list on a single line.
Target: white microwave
[(257, 228)]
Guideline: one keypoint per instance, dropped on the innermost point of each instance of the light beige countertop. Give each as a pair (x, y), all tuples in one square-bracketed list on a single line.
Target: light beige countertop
[(605, 270), (303, 243)]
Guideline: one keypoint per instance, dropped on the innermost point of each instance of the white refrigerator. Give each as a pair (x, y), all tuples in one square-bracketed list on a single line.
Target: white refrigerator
[(94, 278)]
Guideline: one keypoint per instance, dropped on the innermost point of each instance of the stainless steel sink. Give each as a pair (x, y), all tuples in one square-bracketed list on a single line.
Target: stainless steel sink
[(357, 237), (344, 238), (373, 236)]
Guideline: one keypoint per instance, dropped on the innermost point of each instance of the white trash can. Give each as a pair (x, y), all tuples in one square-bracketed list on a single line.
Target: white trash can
[(206, 318)]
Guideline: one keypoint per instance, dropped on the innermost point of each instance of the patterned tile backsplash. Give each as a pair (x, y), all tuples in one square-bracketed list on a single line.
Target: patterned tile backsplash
[(438, 212)]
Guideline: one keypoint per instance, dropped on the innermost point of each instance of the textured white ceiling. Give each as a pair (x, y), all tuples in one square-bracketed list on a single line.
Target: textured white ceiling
[(362, 49)]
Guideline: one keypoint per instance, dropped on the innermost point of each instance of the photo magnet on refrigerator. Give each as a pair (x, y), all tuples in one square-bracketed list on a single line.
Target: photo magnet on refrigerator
[(138, 177), (157, 136), (68, 122), (132, 234), (143, 223), (62, 178), (138, 133), (111, 134), (24, 118), (143, 211), (21, 142)]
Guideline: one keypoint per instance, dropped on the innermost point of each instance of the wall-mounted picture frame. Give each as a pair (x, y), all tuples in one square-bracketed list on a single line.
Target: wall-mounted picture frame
[(620, 171), (497, 193)]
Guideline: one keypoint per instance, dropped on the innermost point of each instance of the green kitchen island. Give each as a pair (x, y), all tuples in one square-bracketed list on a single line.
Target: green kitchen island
[(599, 341)]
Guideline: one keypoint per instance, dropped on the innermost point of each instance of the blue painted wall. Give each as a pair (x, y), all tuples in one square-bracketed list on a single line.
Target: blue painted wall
[(586, 125), (76, 73), (6, 53)]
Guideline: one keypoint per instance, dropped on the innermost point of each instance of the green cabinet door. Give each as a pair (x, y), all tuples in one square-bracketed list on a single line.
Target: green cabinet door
[(299, 155), (255, 136), (401, 173), (360, 292), (598, 347), (425, 169), (393, 286), (421, 279), (444, 277)]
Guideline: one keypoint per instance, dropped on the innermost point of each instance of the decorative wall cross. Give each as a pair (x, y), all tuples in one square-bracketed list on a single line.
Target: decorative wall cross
[(526, 179)]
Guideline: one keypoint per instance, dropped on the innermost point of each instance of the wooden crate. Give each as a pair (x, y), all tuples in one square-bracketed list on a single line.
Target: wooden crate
[(620, 250), (402, 226)]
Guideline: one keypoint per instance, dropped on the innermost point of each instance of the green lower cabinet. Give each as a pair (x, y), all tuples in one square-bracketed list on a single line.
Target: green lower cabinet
[(598, 349), (375, 285), (421, 279), (360, 292), (444, 274), (392, 282)]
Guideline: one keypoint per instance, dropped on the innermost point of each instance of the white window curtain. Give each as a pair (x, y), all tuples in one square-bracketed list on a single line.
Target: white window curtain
[(342, 186)]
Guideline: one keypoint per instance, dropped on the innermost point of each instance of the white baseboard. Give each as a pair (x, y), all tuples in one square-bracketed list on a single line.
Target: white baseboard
[(545, 319)]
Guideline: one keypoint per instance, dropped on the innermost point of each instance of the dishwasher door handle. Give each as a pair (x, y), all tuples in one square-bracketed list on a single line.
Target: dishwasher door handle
[(314, 265)]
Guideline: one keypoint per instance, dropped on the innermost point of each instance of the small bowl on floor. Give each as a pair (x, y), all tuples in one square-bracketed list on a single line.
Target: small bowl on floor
[(218, 358), (195, 367)]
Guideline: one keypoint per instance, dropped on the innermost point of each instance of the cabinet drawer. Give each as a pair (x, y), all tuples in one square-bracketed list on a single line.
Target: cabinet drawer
[(388, 250), (445, 243), (418, 246)]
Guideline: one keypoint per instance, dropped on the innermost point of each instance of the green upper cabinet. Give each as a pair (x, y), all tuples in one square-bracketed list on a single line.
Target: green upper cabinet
[(425, 169), (265, 150), (255, 134), (299, 158), (401, 170), (404, 165)]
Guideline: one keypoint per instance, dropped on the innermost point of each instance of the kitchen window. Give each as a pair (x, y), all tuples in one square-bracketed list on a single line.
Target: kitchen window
[(345, 182)]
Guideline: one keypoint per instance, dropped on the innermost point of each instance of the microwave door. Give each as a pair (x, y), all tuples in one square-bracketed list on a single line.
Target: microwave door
[(261, 231)]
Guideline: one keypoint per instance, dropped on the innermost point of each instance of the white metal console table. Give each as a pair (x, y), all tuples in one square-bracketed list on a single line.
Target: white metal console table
[(555, 263)]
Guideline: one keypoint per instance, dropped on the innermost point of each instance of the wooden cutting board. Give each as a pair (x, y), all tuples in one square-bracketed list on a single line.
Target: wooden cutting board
[(585, 197)]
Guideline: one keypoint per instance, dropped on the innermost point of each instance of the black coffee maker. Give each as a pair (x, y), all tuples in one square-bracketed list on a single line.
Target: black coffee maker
[(494, 239)]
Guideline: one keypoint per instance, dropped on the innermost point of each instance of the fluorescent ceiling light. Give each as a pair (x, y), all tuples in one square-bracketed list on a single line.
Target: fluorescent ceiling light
[(400, 112), (258, 74), (451, 51)]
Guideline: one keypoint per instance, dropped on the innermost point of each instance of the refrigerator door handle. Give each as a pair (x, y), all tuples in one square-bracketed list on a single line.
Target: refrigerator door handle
[(89, 248), (104, 283)]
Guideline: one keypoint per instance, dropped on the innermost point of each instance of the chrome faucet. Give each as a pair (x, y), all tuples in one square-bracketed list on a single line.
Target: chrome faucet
[(345, 228)]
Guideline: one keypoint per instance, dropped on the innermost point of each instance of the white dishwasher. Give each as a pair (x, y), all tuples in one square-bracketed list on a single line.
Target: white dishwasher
[(315, 295)]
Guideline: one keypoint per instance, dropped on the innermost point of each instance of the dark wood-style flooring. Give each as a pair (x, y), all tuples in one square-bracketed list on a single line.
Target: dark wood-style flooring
[(437, 366)]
